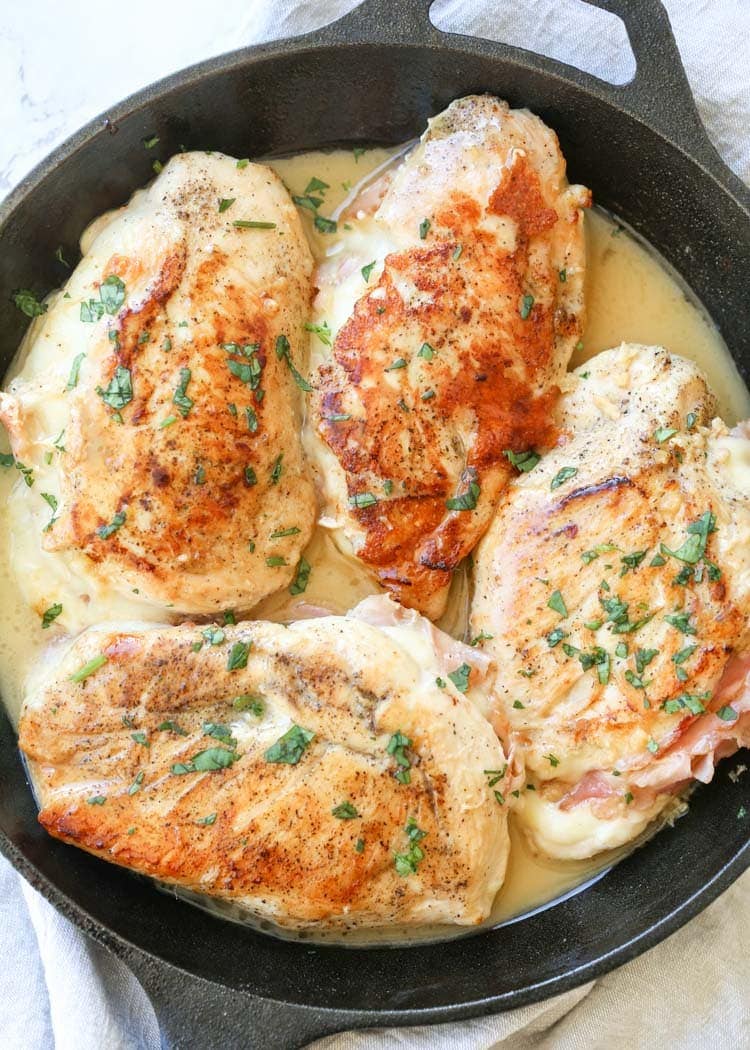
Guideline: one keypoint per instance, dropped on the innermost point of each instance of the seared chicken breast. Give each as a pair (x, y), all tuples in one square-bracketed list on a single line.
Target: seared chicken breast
[(613, 591), (453, 311), (331, 772), (156, 414)]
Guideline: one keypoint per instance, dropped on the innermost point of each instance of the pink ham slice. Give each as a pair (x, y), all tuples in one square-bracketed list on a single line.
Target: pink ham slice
[(693, 756), (380, 610)]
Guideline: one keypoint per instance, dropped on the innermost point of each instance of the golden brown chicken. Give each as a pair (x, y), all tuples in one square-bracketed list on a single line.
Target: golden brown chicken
[(454, 311), (613, 590), (157, 410), (332, 772)]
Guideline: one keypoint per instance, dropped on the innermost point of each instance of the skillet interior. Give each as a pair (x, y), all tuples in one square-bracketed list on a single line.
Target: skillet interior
[(327, 89)]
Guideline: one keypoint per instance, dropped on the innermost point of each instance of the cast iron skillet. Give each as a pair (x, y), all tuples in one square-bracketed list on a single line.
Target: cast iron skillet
[(375, 77)]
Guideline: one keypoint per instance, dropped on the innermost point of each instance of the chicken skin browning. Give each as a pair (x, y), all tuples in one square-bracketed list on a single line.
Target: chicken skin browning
[(454, 310), (613, 591), (330, 773), (158, 406)]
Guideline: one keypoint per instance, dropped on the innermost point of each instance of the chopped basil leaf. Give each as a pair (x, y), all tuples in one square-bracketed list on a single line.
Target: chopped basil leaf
[(524, 309), (359, 845), (466, 500), (426, 351), (460, 677), (252, 419), (207, 821), (243, 162), (136, 783), (396, 747), (75, 369), (171, 727), (253, 224), (140, 738), (105, 531), (277, 469), (424, 228), (325, 225), (238, 656), (564, 474), (214, 635), (290, 747), (345, 811), (183, 402), (302, 577), (50, 615), (28, 303), (322, 331), (120, 390), (247, 702), (398, 363), (557, 604), (367, 270), (362, 499), (694, 547), (283, 350), (523, 461), (681, 621), (88, 668), (632, 561), (96, 800), (652, 746), (225, 203), (684, 654), (643, 658), (727, 713), (556, 636), (662, 434)]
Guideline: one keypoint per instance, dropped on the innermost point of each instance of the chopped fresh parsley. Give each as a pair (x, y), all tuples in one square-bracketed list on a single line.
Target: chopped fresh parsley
[(424, 228), (207, 821), (210, 760), (97, 800), (171, 727), (273, 561), (400, 362), (324, 225), (727, 713), (557, 604), (426, 352), (632, 561), (140, 738), (601, 548), (367, 270), (662, 434), (525, 306), (225, 203), (250, 477), (693, 702)]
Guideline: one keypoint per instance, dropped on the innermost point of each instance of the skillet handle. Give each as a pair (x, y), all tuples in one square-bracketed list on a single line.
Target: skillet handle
[(659, 94)]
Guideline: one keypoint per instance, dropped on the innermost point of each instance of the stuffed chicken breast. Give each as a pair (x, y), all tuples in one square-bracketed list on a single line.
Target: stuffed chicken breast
[(155, 417), (336, 772), (453, 299), (613, 591)]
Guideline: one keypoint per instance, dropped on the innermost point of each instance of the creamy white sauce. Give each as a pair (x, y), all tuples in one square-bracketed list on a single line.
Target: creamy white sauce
[(631, 296)]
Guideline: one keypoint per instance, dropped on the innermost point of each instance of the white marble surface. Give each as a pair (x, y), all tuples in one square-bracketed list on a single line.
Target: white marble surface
[(63, 63)]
